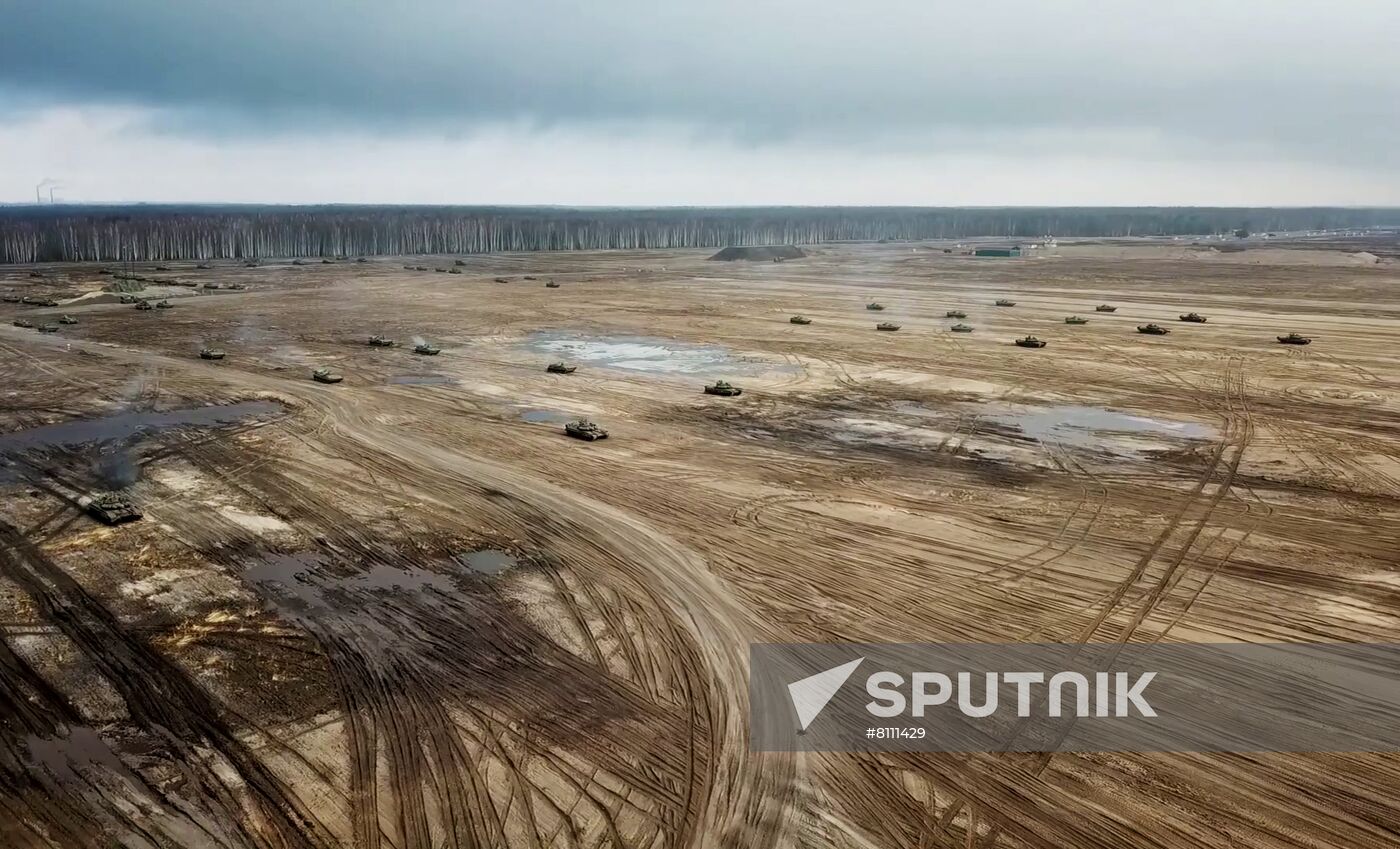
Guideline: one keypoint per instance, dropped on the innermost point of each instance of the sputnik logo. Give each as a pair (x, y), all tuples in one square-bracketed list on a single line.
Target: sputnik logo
[(811, 694)]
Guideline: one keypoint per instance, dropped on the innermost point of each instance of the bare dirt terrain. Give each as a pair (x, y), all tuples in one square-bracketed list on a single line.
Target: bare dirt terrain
[(405, 611)]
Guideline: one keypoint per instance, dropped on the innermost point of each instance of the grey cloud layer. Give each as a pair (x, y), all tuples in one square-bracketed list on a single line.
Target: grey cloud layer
[(1286, 74)]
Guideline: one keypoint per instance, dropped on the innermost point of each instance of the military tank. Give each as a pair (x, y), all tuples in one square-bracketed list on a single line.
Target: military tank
[(237, 287), (203, 266), (1153, 329), (454, 270), (110, 508), (1193, 317), (560, 368), (128, 299), (1030, 342), (420, 268), (1295, 339), (38, 302), (799, 319), (585, 430), (961, 328), (724, 388), (1003, 302), (887, 325), (9, 298), (67, 319), (551, 285), (1076, 319), (162, 268), (426, 350), (377, 341), (955, 314), (875, 305), (144, 305), (298, 262), (361, 259), (1105, 308), (48, 328), (210, 354), (25, 323), (325, 375), (163, 304), (250, 264)]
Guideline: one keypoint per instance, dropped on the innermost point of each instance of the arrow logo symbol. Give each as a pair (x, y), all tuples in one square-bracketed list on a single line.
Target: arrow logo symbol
[(810, 695)]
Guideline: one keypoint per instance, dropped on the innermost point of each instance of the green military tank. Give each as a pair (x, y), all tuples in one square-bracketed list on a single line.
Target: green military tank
[(955, 314), (420, 268), (1003, 302), (144, 305), (38, 302), (875, 305), (551, 285), (1075, 319), (1295, 339), (163, 304), (210, 354), (560, 368), (1105, 308), (887, 325), (377, 341), (326, 261), (426, 350), (454, 270), (1153, 329), (1030, 342), (799, 319), (1193, 317), (298, 262), (440, 270), (213, 285), (961, 328), (67, 319), (325, 375), (110, 508), (25, 323), (48, 328), (128, 299), (585, 430), (724, 388), (237, 287)]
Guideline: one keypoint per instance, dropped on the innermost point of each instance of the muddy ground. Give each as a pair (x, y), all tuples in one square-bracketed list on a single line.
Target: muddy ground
[(405, 611)]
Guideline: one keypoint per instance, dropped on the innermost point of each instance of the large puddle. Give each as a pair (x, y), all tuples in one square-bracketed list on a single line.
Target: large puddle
[(123, 426), (647, 354), (1091, 427)]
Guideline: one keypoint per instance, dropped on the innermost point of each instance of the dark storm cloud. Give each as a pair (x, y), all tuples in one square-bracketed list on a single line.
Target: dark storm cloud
[(1198, 73)]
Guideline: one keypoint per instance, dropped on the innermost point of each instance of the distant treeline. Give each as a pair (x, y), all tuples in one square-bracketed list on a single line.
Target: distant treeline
[(174, 232)]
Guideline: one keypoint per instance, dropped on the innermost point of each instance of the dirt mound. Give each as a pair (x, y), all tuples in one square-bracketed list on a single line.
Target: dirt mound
[(759, 253)]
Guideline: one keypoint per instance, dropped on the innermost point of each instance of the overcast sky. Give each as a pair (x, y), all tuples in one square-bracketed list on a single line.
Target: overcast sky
[(923, 102)]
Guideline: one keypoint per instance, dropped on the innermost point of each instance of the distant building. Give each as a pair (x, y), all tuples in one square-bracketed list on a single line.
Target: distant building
[(1012, 251)]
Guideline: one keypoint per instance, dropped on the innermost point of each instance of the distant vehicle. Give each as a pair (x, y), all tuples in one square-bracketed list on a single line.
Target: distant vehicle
[(164, 305), (426, 350), (955, 314), (48, 328), (560, 368), (377, 341), (144, 305), (110, 508), (298, 262), (210, 354), (454, 270), (325, 261), (551, 285), (961, 328), (1002, 302), (408, 268), (502, 280), (38, 274), (9, 298), (236, 286), (887, 325), (38, 302), (252, 263), (128, 299), (875, 305), (799, 319), (1295, 339), (1193, 317), (459, 262), (724, 388), (1030, 342), (1153, 329), (203, 266), (25, 323), (361, 259), (67, 319), (527, 277), (585, 430), (1105, 308), (325, 375), (440, 270), (420, 268), (162, 268), (1075, 319), (212, 285)]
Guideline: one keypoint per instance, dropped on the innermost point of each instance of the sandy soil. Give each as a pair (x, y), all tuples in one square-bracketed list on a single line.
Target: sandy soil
[(299, 647)]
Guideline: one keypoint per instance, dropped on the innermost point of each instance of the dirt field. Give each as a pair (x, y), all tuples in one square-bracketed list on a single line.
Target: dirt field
[(405, 611)]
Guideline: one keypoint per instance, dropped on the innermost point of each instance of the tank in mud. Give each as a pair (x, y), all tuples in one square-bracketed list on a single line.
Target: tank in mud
[(1105, 308), (875, 305), (1030, 342), (361, 259), (426, 350), (459, 262), (203, 266), (887, 325), (955, 314), (502, 280), (454, 270), (799, 319), (585, 430), (237, 287), (1153, 329), (1295, 339), (144, 305), (38, 302), (211, 354), (48, 328), (420, 268), (560, 368), (25, 323), (327, 261), (213, 285), (1003, 302), (164, 305), (961, 328), (9, 298), (724, 388), (1193, 317), (377, 341), (440, 270), (298, 262), (551, 285), (1076, 319), (128, 299), (162, 268), (252, 263), (110, 508), (325, 375)]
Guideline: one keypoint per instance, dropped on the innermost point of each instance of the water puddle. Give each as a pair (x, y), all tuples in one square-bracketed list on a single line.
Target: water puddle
[(648, 354), (305, 583), (1090, 427), (488, 561), (422, 380), (123, 426)]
